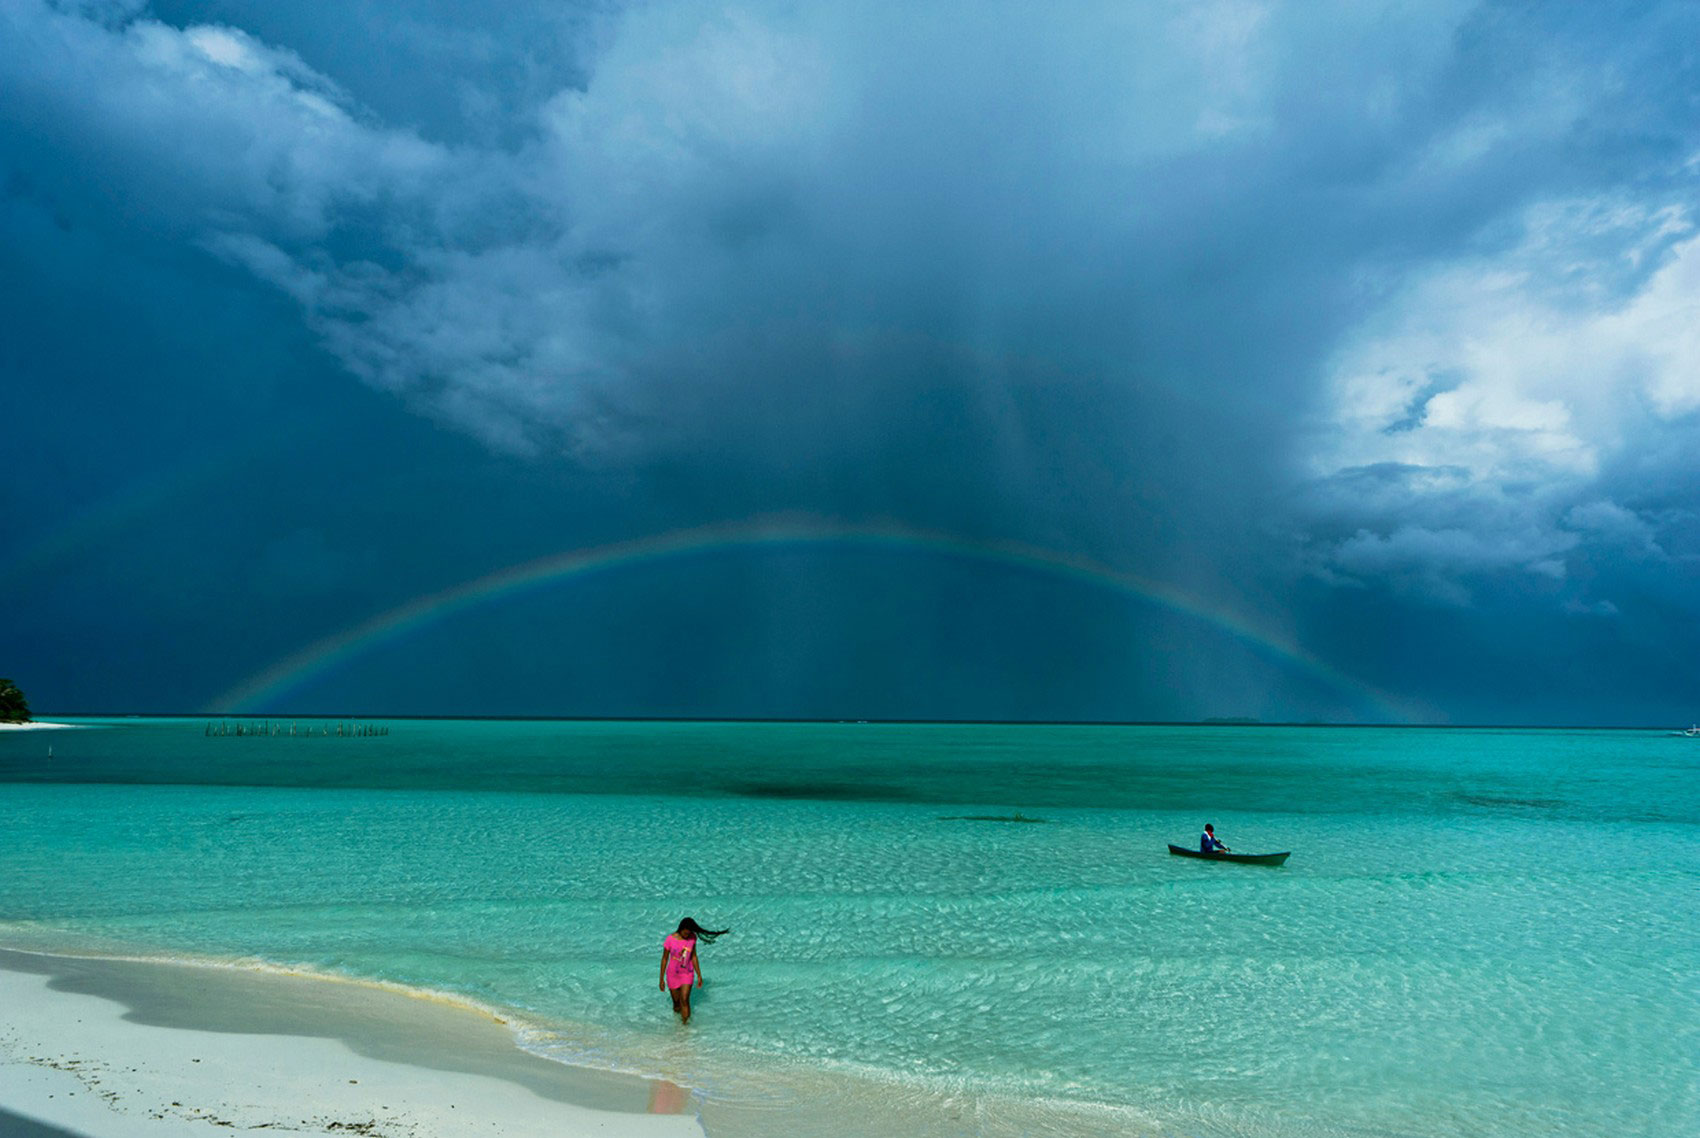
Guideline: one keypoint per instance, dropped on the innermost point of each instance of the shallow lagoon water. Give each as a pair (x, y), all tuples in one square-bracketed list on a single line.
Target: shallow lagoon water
[(1480, 932)]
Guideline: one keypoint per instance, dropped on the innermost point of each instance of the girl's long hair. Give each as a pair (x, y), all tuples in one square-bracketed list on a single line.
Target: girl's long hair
[(690, 926)]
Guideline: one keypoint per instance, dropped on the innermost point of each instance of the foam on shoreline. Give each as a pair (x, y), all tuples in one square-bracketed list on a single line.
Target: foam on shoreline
[(112, 1048)]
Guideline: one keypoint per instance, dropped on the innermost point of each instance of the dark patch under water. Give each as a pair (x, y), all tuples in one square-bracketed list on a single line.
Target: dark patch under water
[(1495, 800), (825, 791), (1016, 817)]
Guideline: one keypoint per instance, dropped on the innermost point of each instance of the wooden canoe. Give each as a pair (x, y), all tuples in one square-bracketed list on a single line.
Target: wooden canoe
[(1245, 859)]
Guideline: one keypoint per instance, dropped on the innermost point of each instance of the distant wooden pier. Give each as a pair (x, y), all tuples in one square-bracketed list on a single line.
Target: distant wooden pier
[(294, 729)]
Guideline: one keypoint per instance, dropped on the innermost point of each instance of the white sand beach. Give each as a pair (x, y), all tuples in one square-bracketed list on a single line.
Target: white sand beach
[(35, 725), (91, 1066)]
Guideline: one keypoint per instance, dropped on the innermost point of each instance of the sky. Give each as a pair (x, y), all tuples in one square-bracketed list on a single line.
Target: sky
[(1310, 361)]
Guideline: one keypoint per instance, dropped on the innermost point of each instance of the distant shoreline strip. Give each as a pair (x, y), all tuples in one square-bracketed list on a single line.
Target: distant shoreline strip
[(320, 656)]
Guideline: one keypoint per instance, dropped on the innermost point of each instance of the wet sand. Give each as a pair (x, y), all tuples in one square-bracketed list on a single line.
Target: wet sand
[(107, 1048)]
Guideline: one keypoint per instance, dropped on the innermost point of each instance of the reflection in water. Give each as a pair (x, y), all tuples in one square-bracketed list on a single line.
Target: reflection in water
[(666, 1097)]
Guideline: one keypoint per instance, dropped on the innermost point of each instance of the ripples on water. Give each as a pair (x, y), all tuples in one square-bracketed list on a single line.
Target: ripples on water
[(1485, 933)]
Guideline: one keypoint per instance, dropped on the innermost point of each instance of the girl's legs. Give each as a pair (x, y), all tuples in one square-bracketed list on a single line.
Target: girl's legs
[(683, 995), (675, 993)]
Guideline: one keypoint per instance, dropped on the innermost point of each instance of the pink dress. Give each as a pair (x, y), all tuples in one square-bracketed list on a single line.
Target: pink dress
[(680, 973)]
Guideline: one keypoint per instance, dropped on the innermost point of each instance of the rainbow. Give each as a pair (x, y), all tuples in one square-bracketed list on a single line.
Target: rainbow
[(317, 658)]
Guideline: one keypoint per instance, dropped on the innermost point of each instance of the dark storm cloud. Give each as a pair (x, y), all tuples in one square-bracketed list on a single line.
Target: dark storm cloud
[(1159, 195), (1386, 296)]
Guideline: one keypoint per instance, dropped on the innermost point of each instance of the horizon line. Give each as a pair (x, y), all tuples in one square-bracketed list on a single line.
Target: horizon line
[(1213, 721)]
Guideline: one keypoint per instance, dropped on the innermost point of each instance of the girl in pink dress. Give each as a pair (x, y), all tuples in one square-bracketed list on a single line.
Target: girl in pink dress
[(680, 966)]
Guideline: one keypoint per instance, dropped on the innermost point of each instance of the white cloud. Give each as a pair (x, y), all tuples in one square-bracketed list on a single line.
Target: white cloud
[(229, 47), (1507, 388), (207, 127)]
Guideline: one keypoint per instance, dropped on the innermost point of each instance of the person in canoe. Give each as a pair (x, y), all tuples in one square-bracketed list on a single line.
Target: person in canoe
[(1208, 842), (680, 968)]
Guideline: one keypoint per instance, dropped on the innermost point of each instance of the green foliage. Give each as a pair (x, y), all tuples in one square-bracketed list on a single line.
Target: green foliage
[(14, 708)]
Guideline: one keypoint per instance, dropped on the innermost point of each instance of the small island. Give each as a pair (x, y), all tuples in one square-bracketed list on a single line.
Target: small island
[(14, 708)]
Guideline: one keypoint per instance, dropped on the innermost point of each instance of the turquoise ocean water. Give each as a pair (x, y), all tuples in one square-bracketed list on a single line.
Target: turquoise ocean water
[(1492, 933)]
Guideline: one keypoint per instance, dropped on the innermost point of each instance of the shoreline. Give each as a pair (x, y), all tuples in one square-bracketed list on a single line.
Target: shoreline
[(128, 1046), (122, 1048), (38, 725)]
